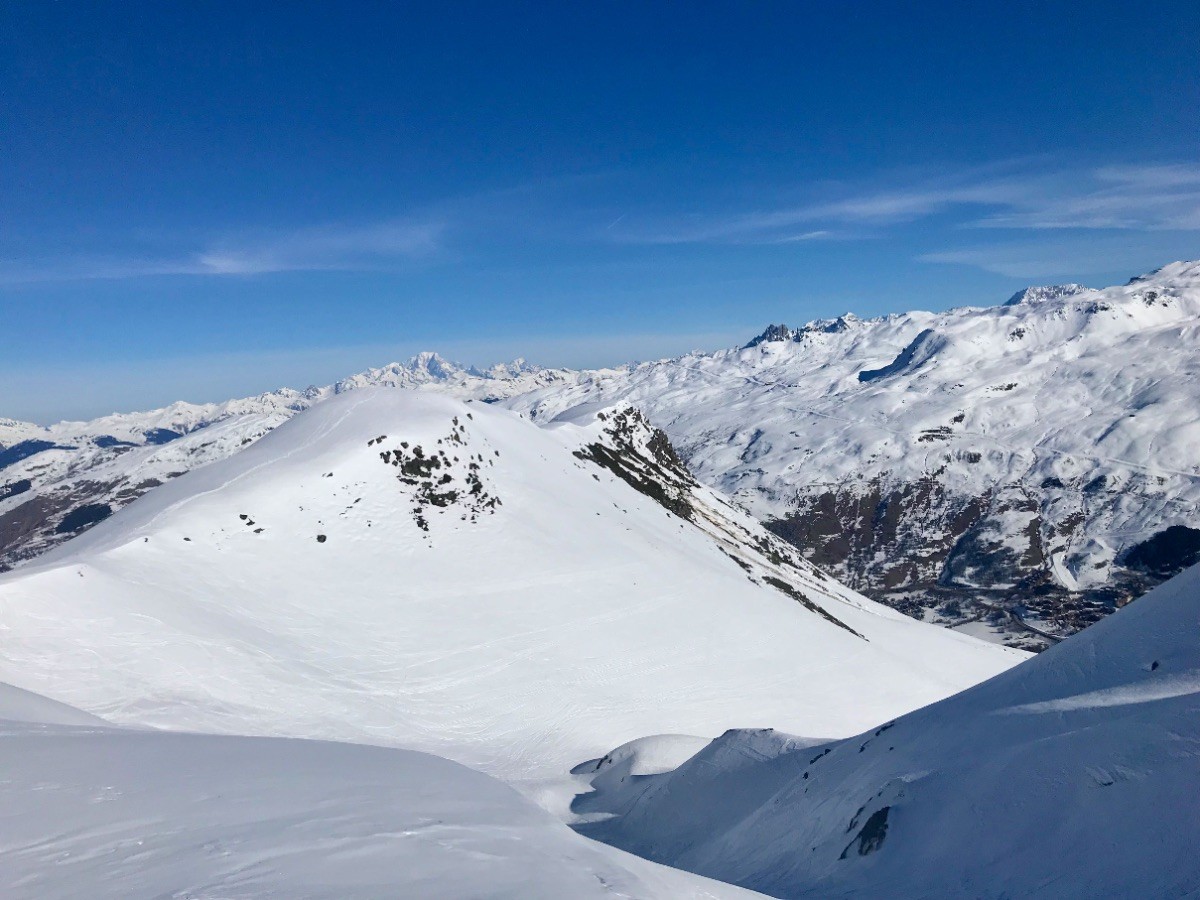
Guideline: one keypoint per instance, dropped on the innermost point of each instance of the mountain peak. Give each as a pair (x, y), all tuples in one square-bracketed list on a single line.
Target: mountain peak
[(782, 333), (1041, 293), (1187, 270), (432, 362), (772, 333)]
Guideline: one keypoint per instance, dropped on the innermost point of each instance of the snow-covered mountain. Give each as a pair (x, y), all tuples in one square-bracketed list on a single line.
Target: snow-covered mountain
[(96, 811), (404, 568), (1010, 471), (1071, 775), (1032, 462), (57, 481)]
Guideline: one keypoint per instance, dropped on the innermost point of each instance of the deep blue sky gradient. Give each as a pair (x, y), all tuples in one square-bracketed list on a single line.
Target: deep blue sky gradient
[(207, 199)]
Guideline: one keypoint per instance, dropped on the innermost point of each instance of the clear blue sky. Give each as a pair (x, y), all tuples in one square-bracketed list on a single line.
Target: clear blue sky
[(199, 200)]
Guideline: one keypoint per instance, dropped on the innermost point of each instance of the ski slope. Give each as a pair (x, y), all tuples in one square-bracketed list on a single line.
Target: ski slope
[(402, 568)]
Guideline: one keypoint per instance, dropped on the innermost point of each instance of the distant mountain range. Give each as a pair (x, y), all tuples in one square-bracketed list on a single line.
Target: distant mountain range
[(1009, 470), (1015, 471)]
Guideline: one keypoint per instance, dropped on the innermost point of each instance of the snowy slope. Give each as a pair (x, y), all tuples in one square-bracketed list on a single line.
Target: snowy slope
[(403, 568), (104, 812), (1030, 456), (1070, 775), (58, 480)]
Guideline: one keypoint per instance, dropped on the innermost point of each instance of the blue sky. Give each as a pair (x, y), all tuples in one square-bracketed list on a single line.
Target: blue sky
[(211, 199)]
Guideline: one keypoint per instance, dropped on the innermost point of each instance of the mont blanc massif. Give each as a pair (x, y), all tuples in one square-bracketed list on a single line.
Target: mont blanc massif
[(903, 606)]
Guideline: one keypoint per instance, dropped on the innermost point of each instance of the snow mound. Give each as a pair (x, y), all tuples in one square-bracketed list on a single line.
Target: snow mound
[(58, 480), (112, 813)]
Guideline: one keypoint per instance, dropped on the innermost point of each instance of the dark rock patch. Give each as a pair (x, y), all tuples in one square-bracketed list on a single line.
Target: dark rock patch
[(14, 488), (872, 835), (1165, 554), (82, 517)]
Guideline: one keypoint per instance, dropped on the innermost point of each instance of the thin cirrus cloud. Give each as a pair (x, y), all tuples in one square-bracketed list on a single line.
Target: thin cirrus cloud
[(328, 248), (1142, 198), (1139, 198), (1004, 200), (1066, 255)]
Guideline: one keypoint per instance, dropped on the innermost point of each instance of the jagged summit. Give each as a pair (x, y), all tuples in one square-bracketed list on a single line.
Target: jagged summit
[(1046, 292), (772, 333), (781, 332)]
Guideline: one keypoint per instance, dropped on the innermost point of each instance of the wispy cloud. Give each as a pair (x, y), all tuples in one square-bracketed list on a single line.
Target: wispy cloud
[(1013, 195), (1127, 198), (1004, 200), (1069, 254), (378, 245)]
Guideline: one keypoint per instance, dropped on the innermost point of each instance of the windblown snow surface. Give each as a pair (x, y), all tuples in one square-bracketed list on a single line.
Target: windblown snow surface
[(90, 810), (401, 568), (1073, 774)]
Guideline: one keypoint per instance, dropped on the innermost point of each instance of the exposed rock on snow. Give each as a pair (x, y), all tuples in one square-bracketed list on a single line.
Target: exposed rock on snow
[(48, 473)]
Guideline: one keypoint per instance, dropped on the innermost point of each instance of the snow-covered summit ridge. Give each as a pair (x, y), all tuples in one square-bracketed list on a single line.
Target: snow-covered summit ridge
[(57, 480), (1042, 293), (405, 568), (502, 379)]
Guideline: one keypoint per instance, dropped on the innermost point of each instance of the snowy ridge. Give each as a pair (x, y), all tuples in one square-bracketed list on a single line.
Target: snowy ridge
[(399, 567), (58, 480), (1082, 755), (1018, 460)]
